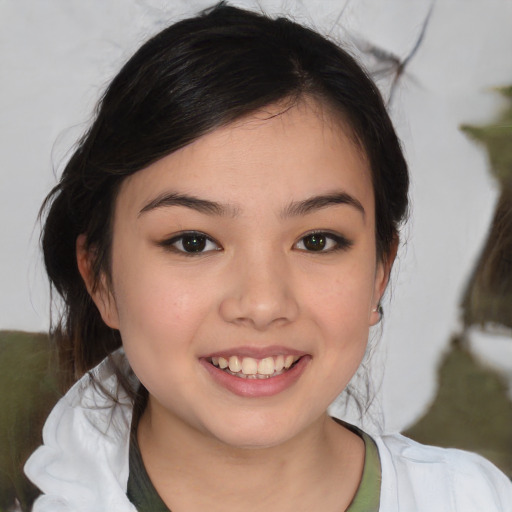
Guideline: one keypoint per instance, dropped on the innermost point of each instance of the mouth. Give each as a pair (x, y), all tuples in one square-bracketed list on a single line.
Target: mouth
[(253, 373), (252, 368)]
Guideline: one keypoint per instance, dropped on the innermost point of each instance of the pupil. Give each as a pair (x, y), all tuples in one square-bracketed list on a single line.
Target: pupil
[(194, 243), (314, 242)]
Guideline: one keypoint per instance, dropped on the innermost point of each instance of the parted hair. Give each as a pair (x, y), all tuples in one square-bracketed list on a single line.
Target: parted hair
[(192, 77)]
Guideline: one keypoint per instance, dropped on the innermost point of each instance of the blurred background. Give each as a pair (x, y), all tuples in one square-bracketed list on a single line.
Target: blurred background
[(442, 358)]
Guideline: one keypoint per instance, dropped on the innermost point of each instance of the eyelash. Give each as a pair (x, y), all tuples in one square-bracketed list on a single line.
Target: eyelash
[(172, 242), (340, 243)]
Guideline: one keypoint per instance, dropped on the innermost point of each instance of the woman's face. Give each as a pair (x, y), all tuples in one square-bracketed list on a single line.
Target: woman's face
[(253, 247)]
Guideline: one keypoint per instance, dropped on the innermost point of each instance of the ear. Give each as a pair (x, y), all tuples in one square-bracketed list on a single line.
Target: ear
[(100, 292), (382, 273)]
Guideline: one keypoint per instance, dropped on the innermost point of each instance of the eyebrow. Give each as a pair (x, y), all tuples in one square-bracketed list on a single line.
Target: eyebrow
[(294, 209), (195, 203), (312, 204)]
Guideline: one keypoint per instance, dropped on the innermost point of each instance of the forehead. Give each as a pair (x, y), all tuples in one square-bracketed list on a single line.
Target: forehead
[(273, 156)]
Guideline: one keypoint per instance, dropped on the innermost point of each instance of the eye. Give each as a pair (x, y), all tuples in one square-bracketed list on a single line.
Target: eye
[(322, 242), (190, 243)]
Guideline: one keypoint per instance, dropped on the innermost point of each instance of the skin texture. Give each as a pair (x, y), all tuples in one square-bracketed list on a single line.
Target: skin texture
[(255, 286)]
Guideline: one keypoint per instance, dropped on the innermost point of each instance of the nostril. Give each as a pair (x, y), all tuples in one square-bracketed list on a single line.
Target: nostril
[(259, 304)]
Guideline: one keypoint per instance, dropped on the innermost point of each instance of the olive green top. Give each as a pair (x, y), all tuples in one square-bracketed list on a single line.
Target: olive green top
[(145, 497)]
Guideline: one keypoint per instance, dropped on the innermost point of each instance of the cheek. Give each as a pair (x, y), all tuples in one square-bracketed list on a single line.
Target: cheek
[(340, 304), (158, 322), (343, 298), (158, 309)]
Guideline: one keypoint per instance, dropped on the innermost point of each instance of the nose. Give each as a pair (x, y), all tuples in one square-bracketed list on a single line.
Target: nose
[(260, 293)]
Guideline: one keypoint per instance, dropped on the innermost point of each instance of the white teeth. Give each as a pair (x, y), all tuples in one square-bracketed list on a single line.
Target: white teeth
[(235, 364), (266, 366), (250, 366)]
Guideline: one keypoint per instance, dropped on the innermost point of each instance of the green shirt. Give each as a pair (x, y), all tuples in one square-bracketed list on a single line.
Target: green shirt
[(144, 496)]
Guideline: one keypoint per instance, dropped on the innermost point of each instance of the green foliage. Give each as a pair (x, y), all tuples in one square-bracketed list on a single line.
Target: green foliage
[(488, 295), (471, 410), (29, 389), (506, 91), (497, 139)]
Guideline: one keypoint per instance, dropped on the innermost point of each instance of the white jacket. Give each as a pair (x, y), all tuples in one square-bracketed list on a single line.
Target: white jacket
[(83, 463)]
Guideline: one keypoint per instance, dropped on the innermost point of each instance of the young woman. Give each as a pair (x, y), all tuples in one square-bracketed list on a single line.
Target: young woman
[(222, 238)]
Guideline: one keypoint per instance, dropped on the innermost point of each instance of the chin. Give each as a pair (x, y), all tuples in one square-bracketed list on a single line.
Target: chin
[(256, 432), (253, 440)]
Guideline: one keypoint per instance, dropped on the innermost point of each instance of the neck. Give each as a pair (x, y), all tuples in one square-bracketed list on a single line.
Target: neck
[(193, 471)]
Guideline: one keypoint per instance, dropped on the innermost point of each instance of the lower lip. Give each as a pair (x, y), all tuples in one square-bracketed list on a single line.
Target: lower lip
[(255, 388)]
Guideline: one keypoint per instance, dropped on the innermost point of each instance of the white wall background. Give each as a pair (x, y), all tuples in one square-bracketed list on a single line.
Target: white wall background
[(56, 57)]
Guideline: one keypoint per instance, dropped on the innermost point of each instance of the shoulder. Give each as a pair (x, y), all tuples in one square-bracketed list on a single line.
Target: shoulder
[(424, 478)]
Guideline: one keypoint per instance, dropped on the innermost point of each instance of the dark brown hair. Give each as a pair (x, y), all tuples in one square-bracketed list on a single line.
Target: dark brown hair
[(194, 76)]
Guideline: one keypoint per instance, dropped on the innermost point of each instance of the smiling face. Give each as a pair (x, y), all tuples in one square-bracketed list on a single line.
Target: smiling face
[(244, 275)]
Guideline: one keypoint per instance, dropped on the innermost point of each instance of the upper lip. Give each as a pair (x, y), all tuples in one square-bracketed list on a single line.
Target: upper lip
[(256, 352)]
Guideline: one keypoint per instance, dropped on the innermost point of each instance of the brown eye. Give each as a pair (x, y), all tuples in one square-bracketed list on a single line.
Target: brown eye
[(191, 243), (322, 242), (315, 242)]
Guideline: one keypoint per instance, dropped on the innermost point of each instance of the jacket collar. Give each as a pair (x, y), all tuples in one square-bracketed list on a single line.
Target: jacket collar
[(82, 465)]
